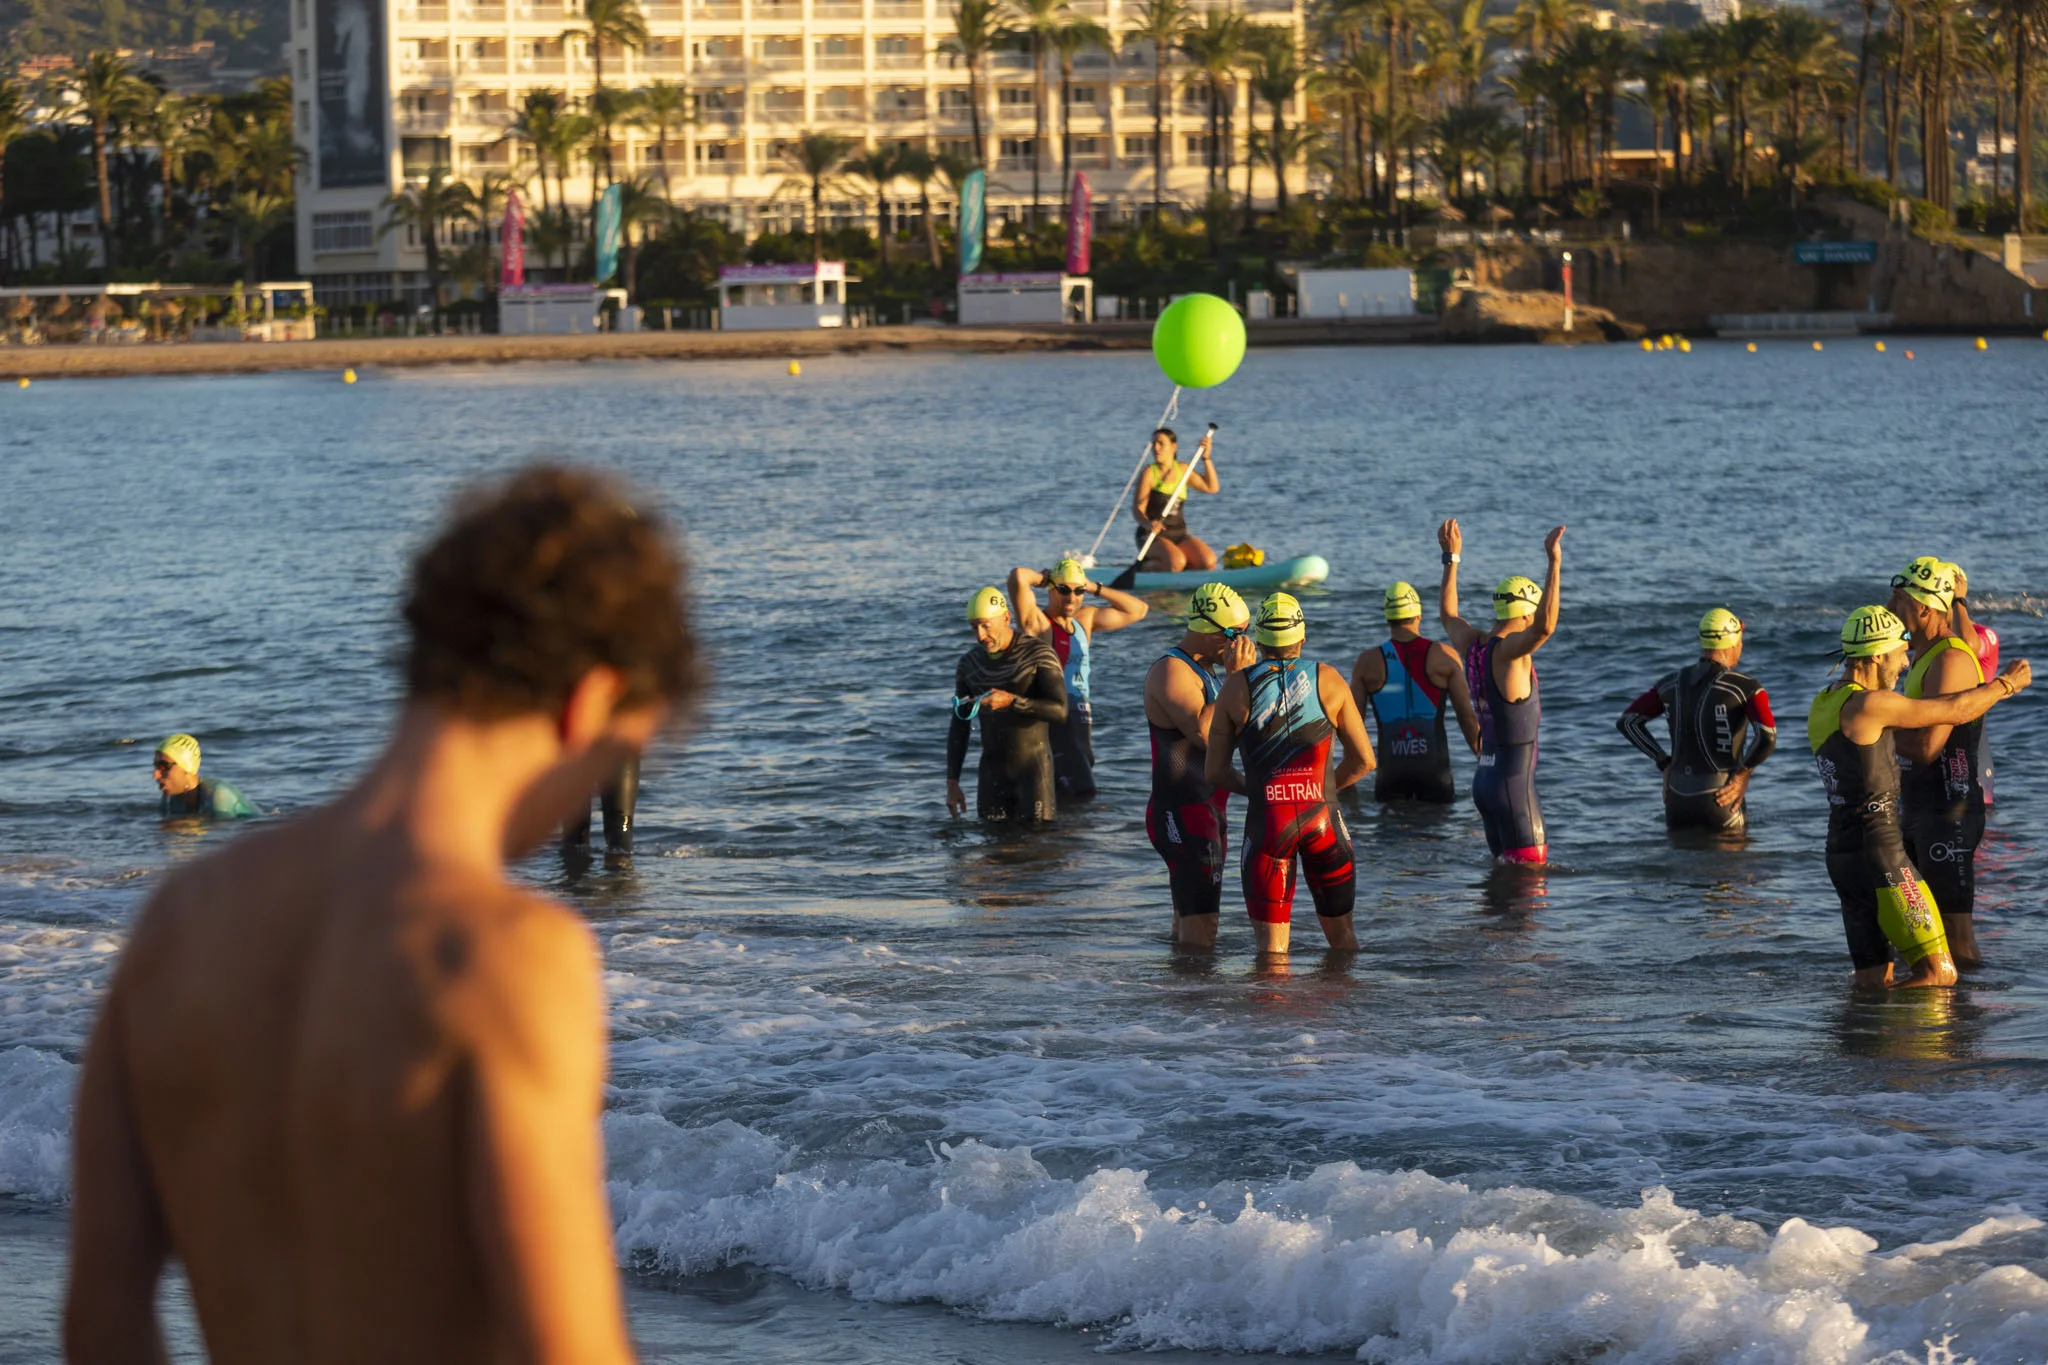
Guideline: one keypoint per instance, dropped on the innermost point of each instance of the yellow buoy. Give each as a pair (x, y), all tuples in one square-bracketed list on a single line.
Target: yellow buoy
[(1649, 345), (1880, 345), (1816, 345), (348, 376), (795, 368), (1685, 346), (21, 383), (1752, 348), (1982, 344)]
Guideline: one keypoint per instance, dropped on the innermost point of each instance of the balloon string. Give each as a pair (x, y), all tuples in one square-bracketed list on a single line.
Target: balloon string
[(1165, 418)]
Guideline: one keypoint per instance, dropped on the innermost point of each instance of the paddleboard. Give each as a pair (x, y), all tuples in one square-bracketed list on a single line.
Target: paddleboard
[(1286, 573)]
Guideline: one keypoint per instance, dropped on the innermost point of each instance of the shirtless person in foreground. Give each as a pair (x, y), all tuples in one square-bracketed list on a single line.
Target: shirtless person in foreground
[(346, 1072)]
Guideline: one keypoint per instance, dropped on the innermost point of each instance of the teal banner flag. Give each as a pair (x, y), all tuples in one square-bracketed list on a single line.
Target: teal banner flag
[(973, 216), (608, 232)]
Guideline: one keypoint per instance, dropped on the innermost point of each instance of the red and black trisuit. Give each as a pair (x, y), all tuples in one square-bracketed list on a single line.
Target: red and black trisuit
[(1291, 795)]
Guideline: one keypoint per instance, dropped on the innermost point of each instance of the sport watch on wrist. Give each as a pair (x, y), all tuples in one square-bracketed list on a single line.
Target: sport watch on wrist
[(1450, 557)]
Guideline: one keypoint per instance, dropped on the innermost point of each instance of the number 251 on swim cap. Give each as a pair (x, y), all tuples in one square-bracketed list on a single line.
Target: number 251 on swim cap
[(1198, 341)]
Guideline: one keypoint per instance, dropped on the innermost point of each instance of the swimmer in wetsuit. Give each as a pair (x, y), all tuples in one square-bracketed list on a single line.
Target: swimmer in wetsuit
[(186, 793), (1885, 902), (1709, 708), (1070, 628), (1280, 715), (1983, 642), (1406, 681), (616, 799), (1941, 795), (1501, 672), (1175, 549), (1014, 684), (1186, 818)]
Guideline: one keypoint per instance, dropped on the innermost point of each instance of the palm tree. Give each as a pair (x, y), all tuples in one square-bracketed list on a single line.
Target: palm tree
[(879, 168), (551, 235), (1037, 21), (254, 214), (663, 107), (107, 92), (977, 28), (1158, 23), (2023, 19), (1216, 48), (1804, 57), (14, 121), (813, 157), (1276, 75), (536, 125), (620, 24), (639, 203), (1467, 32), (1745, 43), (919, 166), (1538, 25), (427, 208), (167, 125), (1068, 42)]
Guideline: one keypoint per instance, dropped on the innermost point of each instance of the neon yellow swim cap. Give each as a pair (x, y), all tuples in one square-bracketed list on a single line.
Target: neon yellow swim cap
[(1516, 596), (1402, 602), (1929, 582), (182, 750), (1280, 622), (1216, 609), (1958, 577), (985, 603), (1068, 573), (1871, 631), (1720, 629)]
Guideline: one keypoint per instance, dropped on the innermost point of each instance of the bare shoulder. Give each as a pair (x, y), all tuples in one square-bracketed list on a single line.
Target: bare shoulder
[(499, 948)]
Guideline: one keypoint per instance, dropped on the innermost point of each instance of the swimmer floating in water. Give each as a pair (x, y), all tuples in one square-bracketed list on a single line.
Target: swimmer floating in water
[(186, 793), (1014, 683), (1885, 901), (1709, 708)]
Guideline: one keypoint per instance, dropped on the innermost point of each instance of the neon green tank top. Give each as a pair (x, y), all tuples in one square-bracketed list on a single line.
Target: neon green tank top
[(1916, 680)]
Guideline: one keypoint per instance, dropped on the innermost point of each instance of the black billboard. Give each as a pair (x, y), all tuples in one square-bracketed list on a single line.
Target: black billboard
[(349, 72)]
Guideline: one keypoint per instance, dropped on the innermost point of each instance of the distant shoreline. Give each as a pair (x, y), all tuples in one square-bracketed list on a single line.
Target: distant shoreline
[(337, 353)]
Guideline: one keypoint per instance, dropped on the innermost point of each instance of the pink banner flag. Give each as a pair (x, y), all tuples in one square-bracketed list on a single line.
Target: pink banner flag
[(514, 242), (1079, 224)]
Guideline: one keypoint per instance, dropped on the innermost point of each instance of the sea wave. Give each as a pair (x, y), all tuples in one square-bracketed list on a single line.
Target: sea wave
[(1399, 1267)]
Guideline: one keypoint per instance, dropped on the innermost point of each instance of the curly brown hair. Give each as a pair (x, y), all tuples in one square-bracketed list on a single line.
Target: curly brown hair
[(535, 581)]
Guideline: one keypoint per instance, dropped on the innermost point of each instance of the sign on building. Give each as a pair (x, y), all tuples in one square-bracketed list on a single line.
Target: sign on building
[(1834, 253), (349, 42)]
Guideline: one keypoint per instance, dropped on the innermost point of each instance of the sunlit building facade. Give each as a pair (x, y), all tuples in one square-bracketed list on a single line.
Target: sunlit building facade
[(388, 89)]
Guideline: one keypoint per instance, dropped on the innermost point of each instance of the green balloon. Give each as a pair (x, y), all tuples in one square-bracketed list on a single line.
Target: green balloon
[(1198, 341)]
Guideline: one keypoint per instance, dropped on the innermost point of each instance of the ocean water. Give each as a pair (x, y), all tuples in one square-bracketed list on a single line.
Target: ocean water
[(891, 1086)]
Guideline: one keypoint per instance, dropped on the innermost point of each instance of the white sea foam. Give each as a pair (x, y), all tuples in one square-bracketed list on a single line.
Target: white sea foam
[(35, 1123), (1396, 1266)]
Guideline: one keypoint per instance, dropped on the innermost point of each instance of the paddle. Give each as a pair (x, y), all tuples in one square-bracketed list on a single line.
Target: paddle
[(1123, 581)]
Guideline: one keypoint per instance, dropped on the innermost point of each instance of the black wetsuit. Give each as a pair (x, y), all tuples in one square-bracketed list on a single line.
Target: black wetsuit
[(1941, 802), (1187, 819), (617, 797), (1709, 709), (1504, 783), (1866, 853), (1015, 778)]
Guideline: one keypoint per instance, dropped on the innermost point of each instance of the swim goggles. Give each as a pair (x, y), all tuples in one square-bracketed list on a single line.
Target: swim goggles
[(1228, 632)]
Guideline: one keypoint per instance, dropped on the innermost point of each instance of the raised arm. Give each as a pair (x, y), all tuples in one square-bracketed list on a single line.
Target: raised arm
[(118, 1239), (1955, 671), (1030, 618), (1343, 711), (1525, 642), (1222, 737), (1118, 609), (533, 1018), (1203, 479), (1878, 711), (1451, 541)]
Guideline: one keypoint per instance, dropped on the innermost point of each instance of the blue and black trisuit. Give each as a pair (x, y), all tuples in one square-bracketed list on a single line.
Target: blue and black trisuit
[(1414, 750)]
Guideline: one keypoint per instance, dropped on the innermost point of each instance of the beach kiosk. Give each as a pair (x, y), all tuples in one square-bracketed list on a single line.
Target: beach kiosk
[(764, 298), (562, 310), (1355, 293), (989, 300)]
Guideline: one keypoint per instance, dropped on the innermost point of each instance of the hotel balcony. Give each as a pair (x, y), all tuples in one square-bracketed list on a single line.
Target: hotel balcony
[(912, 114), (711, 11), (481, 14), (719, 66), (423, 120), (836, 9), (664, 14), (541, 66), (486, 66), (778, 116), (899, 61), (665, 64), (843, 113), (423, 14), (838, 61), (418, 70), (777, 11), (899, 9), (792, 61)]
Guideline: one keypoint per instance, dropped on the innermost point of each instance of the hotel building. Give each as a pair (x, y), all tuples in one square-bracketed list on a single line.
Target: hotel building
[(388, 89)]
